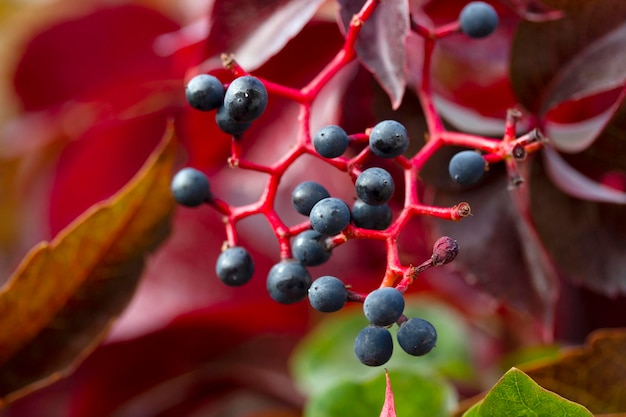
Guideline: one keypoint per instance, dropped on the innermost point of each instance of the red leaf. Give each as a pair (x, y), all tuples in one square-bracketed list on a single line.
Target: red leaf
[(85, 57), (254, 31), (498, 252), (389, 408), (216, 337), (381, 45), (576, 184), (99, 163), (574, 56), (581, 174), (576, 79), (472, 74), (574, 125), (585, 238)]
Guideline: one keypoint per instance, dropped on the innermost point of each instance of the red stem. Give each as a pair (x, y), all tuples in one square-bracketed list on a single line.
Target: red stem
[(437, 137)]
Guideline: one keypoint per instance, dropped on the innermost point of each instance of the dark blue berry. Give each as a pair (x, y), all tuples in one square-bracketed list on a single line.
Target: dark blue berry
[(373, 346), (478, 19), (234, 266), (327, 294), (374, 186), (190, 187), (245, 99), (204, 92), (306, 195), (331, 141), (309, 248), (388, 139), (383, 306), (466, 167), (228, 125), (330, 216), (371, 217), (288, 281), (417, 337)]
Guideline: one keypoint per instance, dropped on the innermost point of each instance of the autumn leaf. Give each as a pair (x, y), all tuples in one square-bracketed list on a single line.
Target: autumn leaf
[(255, 31), (387, 63), (573, 56), (506, 239), (389, 408), (593, 375), (585, 238), (66, 293)]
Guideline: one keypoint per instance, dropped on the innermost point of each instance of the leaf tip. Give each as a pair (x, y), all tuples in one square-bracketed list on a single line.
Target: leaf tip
[(389, 408)]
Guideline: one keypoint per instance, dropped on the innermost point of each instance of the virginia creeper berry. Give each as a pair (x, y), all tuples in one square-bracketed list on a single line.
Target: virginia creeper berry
[(478, 19), (373, 346), (327, 294), (467, 167), (234, 266), (389, 139), (417, 336), (190, 187), (245, 99), (288, 281)]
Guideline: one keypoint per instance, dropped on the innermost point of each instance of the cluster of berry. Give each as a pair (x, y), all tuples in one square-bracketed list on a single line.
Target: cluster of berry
[(383, 307), (289, 281), (237, 106)]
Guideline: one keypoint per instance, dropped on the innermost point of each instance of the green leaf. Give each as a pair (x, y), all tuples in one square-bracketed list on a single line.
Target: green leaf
[(327, 353), (516, 394), (416, 395)]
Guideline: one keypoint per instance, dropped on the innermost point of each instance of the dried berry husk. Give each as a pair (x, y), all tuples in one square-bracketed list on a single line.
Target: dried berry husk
[(445, 250)]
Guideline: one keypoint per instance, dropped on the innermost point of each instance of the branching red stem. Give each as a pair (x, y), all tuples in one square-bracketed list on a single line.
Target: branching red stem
[(509, 149)]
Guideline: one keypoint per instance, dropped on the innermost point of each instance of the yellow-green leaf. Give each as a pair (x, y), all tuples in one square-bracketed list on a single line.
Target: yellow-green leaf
[(65, 294), (516, 394)]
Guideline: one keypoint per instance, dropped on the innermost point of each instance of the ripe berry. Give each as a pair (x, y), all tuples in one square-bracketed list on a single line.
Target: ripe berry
[(327, 294), (383, 306), (204, 92), (309, 248), (331, 141), (417, 337), (306, 195), (478, 19), (245, 99), (234, 266), (371, 217), (288, 281), (466, 167), (229, 125), (374, 186), (373, 346), (330, 216), (388, 139), (190, 187)]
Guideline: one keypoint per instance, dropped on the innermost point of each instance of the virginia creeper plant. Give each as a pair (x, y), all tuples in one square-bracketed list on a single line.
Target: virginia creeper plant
[(384, 208), (291, 288)]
